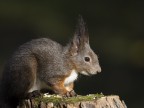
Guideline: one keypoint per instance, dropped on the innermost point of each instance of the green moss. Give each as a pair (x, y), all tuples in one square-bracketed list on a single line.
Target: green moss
[(59, 99)]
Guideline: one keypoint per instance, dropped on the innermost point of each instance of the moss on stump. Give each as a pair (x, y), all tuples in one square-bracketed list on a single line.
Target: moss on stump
[(88, 101)]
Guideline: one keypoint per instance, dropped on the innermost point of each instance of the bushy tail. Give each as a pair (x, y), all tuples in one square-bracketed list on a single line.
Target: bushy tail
[(8, 103), (4, 104)]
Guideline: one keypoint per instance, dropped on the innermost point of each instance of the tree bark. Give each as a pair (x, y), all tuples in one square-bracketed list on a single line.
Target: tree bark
[(89, 101)]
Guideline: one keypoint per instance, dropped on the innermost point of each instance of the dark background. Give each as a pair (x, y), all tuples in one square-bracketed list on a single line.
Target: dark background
[(116, 29)]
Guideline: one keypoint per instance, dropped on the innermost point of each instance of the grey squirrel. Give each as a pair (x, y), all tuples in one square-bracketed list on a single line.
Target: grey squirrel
[(45, 64)]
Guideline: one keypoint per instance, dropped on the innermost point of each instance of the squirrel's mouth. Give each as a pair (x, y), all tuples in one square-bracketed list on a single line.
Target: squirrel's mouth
[(88, 73)]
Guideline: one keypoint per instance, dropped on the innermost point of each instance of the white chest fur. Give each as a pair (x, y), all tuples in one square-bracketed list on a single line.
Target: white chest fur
[(73, 76)]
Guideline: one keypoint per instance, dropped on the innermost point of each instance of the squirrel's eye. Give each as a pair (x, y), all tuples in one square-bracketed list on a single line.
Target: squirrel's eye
[(87, 59)]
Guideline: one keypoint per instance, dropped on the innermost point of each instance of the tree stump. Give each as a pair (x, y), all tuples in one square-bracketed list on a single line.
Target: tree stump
[(88, 101)]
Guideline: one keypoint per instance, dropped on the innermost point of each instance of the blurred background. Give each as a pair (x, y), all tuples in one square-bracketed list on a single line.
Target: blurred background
[(116, 30)]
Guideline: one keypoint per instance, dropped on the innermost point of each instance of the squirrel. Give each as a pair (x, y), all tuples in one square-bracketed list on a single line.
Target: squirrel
[(45, 64)]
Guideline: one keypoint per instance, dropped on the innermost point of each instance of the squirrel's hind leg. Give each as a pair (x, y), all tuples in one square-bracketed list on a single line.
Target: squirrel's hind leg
[(65, 90)]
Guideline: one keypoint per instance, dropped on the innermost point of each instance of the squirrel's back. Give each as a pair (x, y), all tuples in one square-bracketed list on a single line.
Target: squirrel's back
[(45, 51), (42, 58), (39, 46)]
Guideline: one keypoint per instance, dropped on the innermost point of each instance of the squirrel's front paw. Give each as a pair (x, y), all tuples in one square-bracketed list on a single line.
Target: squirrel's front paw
[(71, 93)]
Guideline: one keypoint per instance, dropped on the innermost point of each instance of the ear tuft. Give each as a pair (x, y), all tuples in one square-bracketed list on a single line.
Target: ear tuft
[(80, 38), (81, 31)]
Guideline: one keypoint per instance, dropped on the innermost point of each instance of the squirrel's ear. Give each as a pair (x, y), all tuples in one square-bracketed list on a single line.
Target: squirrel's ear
[(81, 37), (82, 31)]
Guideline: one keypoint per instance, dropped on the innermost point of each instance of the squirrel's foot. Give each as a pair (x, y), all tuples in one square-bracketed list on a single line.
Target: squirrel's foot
[(71, 93), (33, 94)]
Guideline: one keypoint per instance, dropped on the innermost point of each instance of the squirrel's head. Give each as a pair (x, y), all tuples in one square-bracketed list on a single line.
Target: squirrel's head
[(82, 56)]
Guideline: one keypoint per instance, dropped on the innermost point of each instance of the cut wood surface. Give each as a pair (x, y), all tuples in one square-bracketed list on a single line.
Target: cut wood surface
[(88, 101)]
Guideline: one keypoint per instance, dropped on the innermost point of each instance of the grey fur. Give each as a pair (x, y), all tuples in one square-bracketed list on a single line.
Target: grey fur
[(47, 60)]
